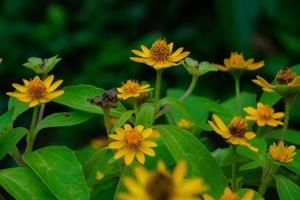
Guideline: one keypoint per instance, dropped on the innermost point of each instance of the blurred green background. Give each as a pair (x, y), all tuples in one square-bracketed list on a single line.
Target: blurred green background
[(94, 39)]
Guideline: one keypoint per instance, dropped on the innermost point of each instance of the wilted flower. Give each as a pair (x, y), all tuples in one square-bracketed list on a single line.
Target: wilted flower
[(132, 89), (282, 153)]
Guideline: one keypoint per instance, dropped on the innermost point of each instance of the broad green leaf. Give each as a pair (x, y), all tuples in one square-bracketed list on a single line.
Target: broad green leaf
[(23, 184), (123, 119), (223, 156), (5, 119), (184, 146), (171, 101), (105, 189), (60, 171), (290, 135), (19, 107), (251, 165), (242, 192), (145, 115), (10, 139), (258, 143), (77, 97), (287, 189), (63, 119), (269, 98)]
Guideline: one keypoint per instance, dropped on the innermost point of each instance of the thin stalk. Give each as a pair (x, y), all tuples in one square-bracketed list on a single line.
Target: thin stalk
[(182, 98), (234, 169), (107, 122), (157, 89), (237, 93), (15, 154), (42, 111), (31, 135), (287, 104), (267, 177)]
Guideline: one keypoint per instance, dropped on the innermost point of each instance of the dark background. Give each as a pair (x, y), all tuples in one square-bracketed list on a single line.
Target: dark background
[(94, 39)]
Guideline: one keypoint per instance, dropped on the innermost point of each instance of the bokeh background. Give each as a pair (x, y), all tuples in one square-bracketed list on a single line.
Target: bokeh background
[(94, 39)]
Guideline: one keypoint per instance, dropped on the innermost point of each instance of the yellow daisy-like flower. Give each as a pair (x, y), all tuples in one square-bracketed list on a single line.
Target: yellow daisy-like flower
[(37, 91), (160, 55), (236, 62), (287, 83), (132, 89), (185, 123), (161, 185), (264, 115), (229, 195), (133, 143), (235, 133), (282, 153)]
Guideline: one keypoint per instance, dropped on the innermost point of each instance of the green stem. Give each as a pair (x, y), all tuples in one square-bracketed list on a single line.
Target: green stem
[(157, 89), (107, 122), (287, 105), (268, 171), (31, 134), (190, 89), (237, 93), (234, 169)]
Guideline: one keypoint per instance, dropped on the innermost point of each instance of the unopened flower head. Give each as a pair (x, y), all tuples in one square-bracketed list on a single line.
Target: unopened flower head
[(160, 55), (107, 100), (282, 153), (161, 185), (236, 62), (132, 89), (133, 142), (185, 123), (264, 115), (236, 133), (287, 83), (229, 195), (37, 91)]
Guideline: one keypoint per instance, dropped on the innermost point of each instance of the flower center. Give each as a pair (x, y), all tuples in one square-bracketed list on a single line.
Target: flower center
[(238, 127), (265, 112), (160, 186), (160, 50), (133, 138), (285, 76), (36, 89), (131, 87)]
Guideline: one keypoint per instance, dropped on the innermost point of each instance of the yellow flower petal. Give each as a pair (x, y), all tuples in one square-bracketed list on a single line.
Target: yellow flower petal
[(54, 86), (54, 94), (19, 87), (33, 103), (250, 135), (179, 172), (140, 157), (129, 156), (48, 81), (117, 145)]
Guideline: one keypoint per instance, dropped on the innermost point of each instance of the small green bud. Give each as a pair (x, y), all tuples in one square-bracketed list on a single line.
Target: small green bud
[(42, 66), (198, 69)]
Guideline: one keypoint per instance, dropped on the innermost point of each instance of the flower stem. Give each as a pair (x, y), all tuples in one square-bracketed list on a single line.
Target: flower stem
[(287, 104), (41, 114), (31, 134), (234, 168), (268, 171), (237, 93), (107, 122), (157, 89)]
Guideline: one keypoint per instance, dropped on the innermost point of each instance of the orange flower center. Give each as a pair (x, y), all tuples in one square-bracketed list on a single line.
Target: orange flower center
[(131, 87), (160, 50), (285, 76), (265, 112), (238, 127), (36, 89), (160, 186), (236, 60), (133, 138)]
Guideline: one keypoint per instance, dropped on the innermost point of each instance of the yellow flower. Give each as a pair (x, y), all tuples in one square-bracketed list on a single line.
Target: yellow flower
[(185, 123), (282, 153), (98, 143), (132, 89), (133, 142), (238, 63), (287, 83), (235, 133), (161, 185), (160, 55), (229, 195), (36, 91), (263, 115)]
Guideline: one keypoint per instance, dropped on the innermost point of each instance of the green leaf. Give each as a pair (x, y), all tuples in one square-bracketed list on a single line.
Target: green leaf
[(258, 143), (77, 97), (10, 139), (123, 119), (170, 101), (59, 169), (6, 119), (251, 165), (295, 165), (184, 146), (63, 119), (145, 115), (242, 192), (223, 156), (19, 107), (287, 189), (290, 135), (22, 184), (269, 98), (42, 66)]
